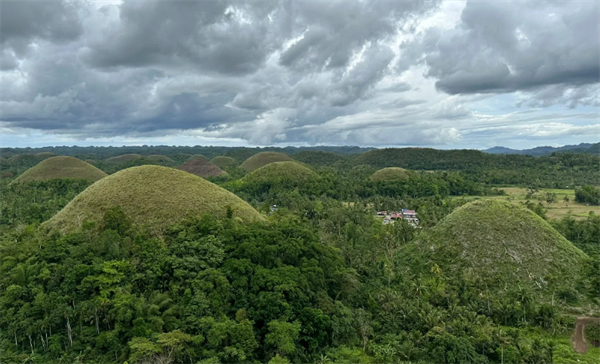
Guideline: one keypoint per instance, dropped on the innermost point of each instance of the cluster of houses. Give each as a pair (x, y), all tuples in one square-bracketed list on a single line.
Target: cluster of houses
[(389, 217)]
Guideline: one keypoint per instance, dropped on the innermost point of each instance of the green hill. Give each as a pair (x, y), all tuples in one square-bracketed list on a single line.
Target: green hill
[(262, 159), (280, 173), (202, 168), (61, 168), (425, 158), (320, 158), (160, 159), (224, 162), (390, 174), (123, 158), (198, 156), (502, 246), (152, 196)]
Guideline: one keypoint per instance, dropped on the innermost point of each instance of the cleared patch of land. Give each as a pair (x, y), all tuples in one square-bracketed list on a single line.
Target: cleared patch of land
[(556, 210)]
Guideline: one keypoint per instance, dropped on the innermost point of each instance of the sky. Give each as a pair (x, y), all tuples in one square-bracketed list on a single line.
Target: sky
[(442, 74)]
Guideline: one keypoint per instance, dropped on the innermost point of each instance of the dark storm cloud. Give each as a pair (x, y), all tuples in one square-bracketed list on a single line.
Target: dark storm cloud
[(518, 46), (22, 22)]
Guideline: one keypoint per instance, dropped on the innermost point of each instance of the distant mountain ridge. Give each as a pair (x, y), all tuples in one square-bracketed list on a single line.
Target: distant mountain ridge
[(545, 150)]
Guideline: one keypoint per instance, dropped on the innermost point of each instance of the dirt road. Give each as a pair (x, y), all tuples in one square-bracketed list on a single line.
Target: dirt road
[(580, 345)]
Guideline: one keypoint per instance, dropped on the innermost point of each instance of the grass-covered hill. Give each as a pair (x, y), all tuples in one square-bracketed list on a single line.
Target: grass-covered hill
[(224, 162), (390, 174), (262, 159), (61, 168), (202, 168), (198, 156), (280, 173), (320, 158), (123, 158), (152, 196), (162, 159), (503, 246)]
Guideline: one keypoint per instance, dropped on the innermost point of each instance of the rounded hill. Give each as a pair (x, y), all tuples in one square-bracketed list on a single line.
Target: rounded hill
[(262, 159), (61, 168), (198, 156), (224, 162), (158, 158), (499, 245), (154, 197), (123, 158), (202, 168), (390, 174), (280, 172)]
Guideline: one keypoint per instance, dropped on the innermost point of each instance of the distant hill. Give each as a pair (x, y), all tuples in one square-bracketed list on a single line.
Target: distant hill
[(61, 168), (152, 196), (545, 150), (262, 159)]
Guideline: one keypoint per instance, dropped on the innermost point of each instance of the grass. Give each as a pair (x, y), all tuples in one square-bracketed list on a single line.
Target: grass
[(262, 159), (501, 245), (154, 197), (202, 168), (280, 172), (390, 174), (124, 158), (61, 168), (564, 353), (198, 156), (160, 159), (224, 162), (556, 210)]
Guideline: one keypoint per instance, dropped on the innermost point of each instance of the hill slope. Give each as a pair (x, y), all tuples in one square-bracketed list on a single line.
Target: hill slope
[(500, 245), (152, 196), (390, 174), (280, 172), (202, 168), (61, 168), (123, 158), (262, 159), (223, 162)]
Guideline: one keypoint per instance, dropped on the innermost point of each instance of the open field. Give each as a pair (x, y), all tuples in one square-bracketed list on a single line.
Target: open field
[(556, 210)]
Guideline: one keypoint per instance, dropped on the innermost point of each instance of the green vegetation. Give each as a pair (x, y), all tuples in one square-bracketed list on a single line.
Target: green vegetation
[(123, 158), (162, 159), (61, 168), (202, 168), (390, 174), (156, 265), (198, 156), (152, 196), (500, 246), (262, 159), (588, 194), (224, 162)]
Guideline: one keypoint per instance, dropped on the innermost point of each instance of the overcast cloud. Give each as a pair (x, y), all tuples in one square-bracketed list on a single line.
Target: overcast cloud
[(446, 74)]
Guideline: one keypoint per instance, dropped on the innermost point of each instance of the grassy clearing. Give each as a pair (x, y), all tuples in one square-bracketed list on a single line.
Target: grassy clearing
[(153, 197), (556, 210), (390, 174), (262, 159), (505, 246), (61, 168)]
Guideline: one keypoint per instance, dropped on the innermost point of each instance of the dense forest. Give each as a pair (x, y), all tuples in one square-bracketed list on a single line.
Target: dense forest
[(318, 279)]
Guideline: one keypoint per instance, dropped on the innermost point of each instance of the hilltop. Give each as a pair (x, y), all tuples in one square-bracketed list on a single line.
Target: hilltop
[(502, 246), (160, 159), (123, 158), (390, 174), (198, 156), (224, 162), (61, 168), (202, 168), (262, 159), (280, 173), (154, 197)]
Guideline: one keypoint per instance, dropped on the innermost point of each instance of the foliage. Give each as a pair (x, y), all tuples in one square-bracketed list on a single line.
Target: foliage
[(588, 194)]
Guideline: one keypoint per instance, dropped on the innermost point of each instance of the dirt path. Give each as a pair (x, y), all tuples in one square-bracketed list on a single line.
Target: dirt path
[(580, 345)]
